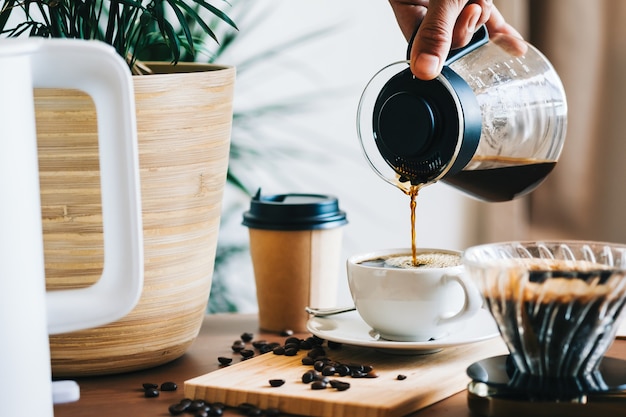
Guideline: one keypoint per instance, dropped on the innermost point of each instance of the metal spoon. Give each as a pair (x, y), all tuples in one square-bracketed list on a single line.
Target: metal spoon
[(323, 312)]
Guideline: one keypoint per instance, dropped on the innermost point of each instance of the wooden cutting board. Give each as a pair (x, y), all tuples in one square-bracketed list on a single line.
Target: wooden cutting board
[(430, 378)]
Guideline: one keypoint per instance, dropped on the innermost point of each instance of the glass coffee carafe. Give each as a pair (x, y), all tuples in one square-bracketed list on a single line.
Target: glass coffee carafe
[(492, 124)]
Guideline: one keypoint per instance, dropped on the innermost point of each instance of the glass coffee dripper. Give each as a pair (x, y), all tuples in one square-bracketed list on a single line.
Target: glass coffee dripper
[(492, 124), (557, 305)]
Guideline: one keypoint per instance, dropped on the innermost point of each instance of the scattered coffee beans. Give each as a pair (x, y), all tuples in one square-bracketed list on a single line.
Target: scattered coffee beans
[(149, 385), (401, 377), (318, 377)]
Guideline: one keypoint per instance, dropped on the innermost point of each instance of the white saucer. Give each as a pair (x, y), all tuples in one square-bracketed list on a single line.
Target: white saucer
[(349, 328)]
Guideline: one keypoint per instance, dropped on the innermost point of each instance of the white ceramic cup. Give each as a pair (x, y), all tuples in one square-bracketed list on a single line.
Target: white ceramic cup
[(413, 304)]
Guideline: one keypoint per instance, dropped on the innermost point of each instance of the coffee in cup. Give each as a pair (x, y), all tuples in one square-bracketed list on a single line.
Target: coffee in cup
[(406, 301)]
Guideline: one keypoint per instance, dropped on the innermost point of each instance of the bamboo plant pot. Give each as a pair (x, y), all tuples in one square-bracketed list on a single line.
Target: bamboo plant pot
[(184, 122)]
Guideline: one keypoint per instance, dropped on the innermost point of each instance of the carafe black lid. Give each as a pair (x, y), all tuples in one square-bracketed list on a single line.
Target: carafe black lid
[(427, 129)]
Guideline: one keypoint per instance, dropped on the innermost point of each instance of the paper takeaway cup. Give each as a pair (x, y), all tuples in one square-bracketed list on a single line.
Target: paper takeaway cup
[(295, 245)]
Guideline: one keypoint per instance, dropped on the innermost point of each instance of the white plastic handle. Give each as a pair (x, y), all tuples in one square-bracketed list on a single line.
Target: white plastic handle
[(96, 69), (473, 299)]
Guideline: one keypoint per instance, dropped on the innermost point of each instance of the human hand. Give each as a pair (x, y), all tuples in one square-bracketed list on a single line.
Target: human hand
[(449, 24)]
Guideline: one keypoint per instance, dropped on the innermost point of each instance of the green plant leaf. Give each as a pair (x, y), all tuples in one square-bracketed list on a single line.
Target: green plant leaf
[(217, 12), (182, 20), (191, 12), (5, 13)]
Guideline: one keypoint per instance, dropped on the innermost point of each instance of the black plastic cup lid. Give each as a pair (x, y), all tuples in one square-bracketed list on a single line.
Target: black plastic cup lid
[(294, 212)]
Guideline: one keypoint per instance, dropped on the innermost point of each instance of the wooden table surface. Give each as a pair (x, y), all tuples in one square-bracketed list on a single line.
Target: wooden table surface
[(122, 395)]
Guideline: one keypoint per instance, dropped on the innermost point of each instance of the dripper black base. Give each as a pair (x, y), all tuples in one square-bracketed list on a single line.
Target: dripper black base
[(497, 389)]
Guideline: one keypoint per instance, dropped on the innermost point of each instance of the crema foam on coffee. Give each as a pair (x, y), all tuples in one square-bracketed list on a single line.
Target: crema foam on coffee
[(424, 260)]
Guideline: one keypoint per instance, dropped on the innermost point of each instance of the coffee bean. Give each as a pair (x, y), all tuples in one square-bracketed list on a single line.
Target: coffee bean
[(343, 370), (319, 385), (306, 345), (286, 332), (216, 409), (293, 339), (328, 370), (257, 344), (309, 376), (401, 377), (307, 360), (238, 346), (292, 345), (291, 352), (269, 347), (224, 360), (317, 340), (169, 386), (216, 412), (246, 337), (339, 385), (149, 385), (318, 365), (279, 350), (202, 413), (277, 382), (151, 393), (247, 353), (265, 349), (196, 405), (177, 409), (355, 367)]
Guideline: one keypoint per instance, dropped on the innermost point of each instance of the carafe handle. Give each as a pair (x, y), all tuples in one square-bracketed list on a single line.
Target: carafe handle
[(96, 69), (480, 37)]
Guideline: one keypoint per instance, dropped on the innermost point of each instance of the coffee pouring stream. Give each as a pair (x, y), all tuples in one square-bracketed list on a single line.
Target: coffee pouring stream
[(27, 313), (492, 124)]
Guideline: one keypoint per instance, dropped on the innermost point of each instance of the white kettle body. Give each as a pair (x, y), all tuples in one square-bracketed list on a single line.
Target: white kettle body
[(27, 312)]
